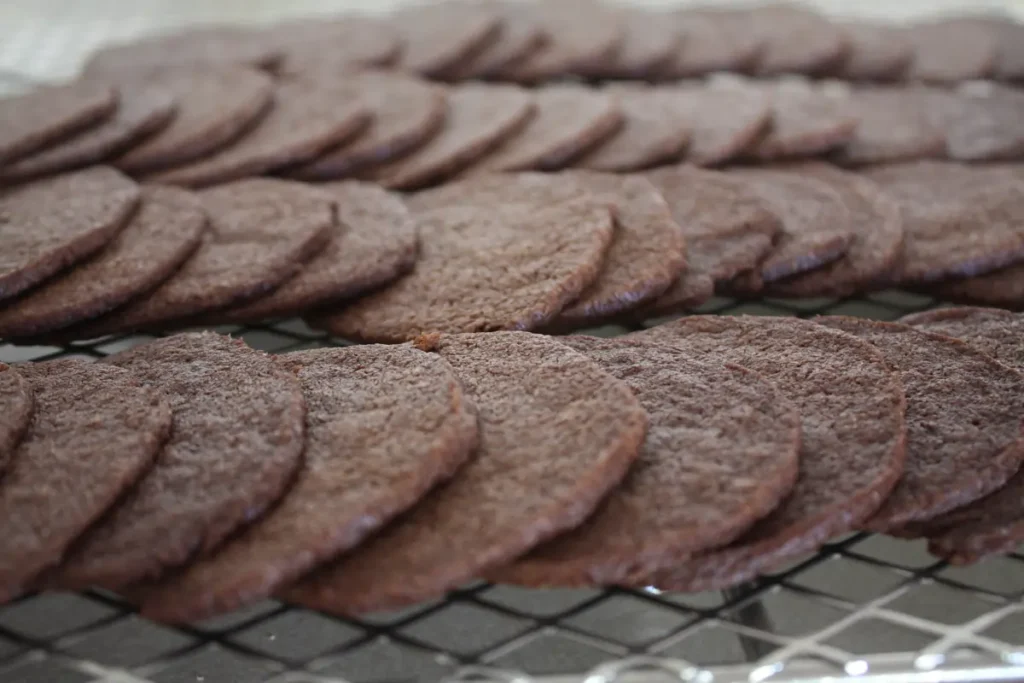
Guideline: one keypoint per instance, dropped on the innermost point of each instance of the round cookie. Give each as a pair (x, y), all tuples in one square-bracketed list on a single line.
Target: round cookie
[(35, 119), (647, 45), (384, 424), (714, 40), (142, 112), (728, 230), (94, 433), (796, 40), (893, 125), (1003, 288), (478, 118), (990, 330), (724, 123), (981, 122), (15, 412), (567, 121), (934, 62), (556, 434), (941, 202), (875, 248), (215, 106), (720, 453), (260, 234), (405, 113), (964, 416), (520, 36), (53, 223), (211, 46), (816, 226), (374, 242), (324, 48), (162, 234), (805, 123), (1009, 35), (437, 39), (652, 132), (306, 119), (512, 264), (647, 254), (877, 52), (236, 441), (851, 455)]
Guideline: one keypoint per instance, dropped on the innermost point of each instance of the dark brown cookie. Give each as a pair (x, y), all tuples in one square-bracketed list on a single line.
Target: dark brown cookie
[(437, 38), (714, 40), (964, 417), (306, 119), (721, 452), (260, 234), (556, 434), (981, 121), (805, 122), (40, 117), (652, 131), (236, 441), (384, 424), (142, 112), (876, 245), (1003, 288), (94, 433), (941, 202), (15, 412), (163, 233), (478, 118), (647, 254), (992, 330), (582, 36), (724, 123), (649, 43), (568, 120), (510, 264), (322, 48), (1009, 35), (851, 456), (405, 113), (728, 230), (374, 242), (877, 52), (816, 225), (212, 46), (56, 222), (893, 125), (797, 40), (520, 36), (215, 106), (950, 50)]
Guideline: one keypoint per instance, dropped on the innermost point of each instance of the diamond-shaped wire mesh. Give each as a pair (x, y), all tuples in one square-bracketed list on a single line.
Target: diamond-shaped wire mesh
[(861, 596)]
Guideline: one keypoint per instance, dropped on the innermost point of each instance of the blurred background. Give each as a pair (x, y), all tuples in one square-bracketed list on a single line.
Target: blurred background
[(47, 39)]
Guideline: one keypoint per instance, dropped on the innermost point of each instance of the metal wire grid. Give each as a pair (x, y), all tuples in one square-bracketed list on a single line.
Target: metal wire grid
[(860, 597)]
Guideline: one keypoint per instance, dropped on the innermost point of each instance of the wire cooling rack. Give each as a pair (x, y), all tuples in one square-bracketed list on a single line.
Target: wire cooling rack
[(865, 607)]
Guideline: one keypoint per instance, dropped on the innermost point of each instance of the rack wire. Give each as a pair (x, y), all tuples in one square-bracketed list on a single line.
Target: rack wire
[(866, 607)]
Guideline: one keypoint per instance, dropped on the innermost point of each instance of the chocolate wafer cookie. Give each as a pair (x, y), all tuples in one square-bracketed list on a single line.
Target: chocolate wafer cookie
[(405, 114), (980, 121), (805, 123), (893, 125), (853, 436), (306, 119), (260, 234), (724, 123), (556, 434), (478, 118), (514, 263), (15, 412), (374, 242), (877, 52), (714, 40), (236, 440), (934, 61), (163, 233), (324, 48), (35, 119), (942, 201), (720, 453), (796, 40), (141, 112), (53, 223), (437, 38), (648, 44), (520, 36), (384, 425), (964, 419), (215, 106), (95, 431)]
